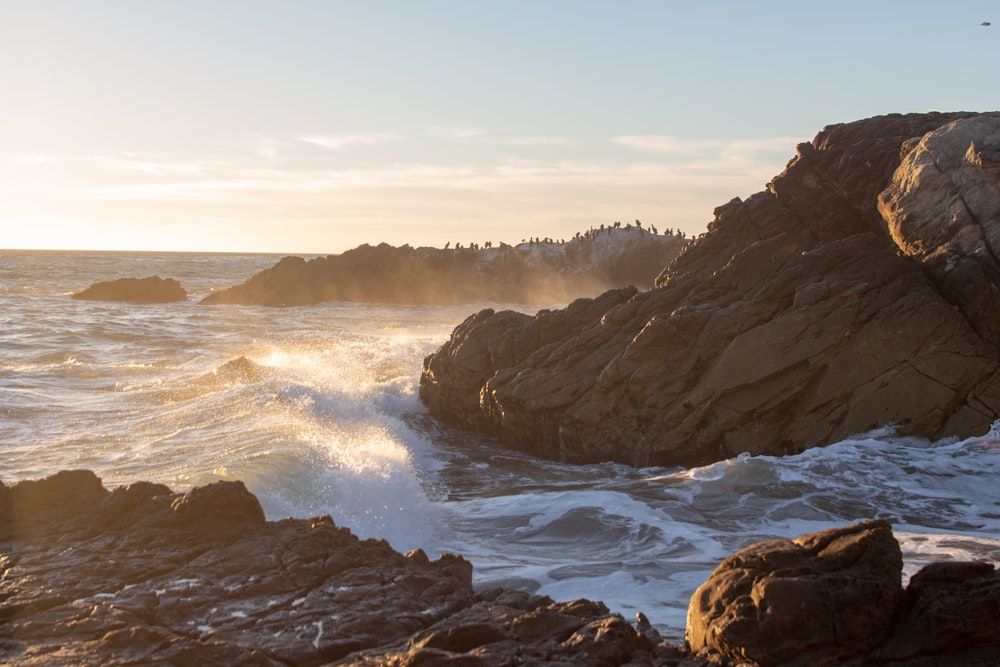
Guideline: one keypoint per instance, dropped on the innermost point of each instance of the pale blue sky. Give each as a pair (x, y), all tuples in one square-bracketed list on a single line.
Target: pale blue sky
[(316, 126)]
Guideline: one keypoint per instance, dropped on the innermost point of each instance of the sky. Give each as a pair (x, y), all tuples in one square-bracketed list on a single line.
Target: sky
[(305, 126)]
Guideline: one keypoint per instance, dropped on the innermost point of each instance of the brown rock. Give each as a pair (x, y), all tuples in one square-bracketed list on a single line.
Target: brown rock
[(142, 575), (813, 600), (796, 321), (135, 290), (951, 609), (835, 597), (529, 273)]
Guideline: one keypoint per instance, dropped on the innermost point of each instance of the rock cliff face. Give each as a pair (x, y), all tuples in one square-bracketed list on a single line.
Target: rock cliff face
[(143, 576), (542, 272), (135, 290), (860, 289)]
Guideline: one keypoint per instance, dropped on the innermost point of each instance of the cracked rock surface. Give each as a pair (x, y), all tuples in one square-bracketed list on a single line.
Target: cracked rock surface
[(835, 597), (144, 576), (859, 289)]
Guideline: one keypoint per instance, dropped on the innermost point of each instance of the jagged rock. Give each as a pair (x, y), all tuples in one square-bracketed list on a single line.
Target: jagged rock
[(949, 609), (835, 596), (141, 575), (943, 209), (528, 273), (135, 290), (795, 321)]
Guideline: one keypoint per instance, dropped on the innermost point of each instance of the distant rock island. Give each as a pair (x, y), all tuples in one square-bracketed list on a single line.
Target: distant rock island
[(540, 271), (135, 290), (140, 575), (860, 289)]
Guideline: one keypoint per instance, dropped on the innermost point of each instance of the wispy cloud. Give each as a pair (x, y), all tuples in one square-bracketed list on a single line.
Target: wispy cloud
[(667, 145), (339, 141), (150, 164), (282, 181), (453, 133), (542, 141)]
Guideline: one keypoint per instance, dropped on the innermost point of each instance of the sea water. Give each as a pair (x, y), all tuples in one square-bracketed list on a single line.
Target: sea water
[(316, 409)]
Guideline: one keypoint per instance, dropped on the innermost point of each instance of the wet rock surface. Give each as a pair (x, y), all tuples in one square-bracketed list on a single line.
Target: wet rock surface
[(835, 597), (153, 289), (860, 289), (141, 575)]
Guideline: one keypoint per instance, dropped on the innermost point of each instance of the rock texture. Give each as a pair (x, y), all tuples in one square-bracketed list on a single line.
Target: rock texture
[(859, 290), (835, 596), (153, 289), (540, 272), (144, 576), (141, 575)]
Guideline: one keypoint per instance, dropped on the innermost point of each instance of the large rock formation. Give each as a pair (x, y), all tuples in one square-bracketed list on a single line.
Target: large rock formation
[(861, 289), (153, 289), (835, 596), (141, 575), (538, 272)]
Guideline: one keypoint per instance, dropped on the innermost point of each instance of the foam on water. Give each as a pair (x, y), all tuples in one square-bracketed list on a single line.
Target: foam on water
[(316, 409)]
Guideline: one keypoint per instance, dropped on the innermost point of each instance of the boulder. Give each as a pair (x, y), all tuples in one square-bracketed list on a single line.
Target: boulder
[(818, 599), (843, 298), (950, 610), (537, 272), (835, 596), (135, 290)]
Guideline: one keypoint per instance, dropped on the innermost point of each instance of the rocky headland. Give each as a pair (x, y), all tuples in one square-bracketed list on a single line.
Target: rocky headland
[(539, 271), (153, 289), (141, 575), (860, 289)]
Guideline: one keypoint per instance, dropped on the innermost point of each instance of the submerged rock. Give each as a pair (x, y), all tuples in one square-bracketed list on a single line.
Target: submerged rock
[(135, 290), (539, 272), (861, 289)]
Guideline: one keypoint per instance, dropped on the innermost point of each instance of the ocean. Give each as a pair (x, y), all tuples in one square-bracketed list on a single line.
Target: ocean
[(316, 409)]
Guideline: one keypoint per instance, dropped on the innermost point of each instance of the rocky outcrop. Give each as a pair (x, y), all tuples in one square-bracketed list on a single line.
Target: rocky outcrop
[(859, 290), (153, 289), (141, 575), (538, 272), (835, 596)]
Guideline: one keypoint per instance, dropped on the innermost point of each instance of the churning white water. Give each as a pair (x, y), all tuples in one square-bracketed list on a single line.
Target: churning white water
[(316, 409)]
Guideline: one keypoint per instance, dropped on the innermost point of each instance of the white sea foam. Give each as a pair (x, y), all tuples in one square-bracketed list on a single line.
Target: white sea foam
[(330, 423)]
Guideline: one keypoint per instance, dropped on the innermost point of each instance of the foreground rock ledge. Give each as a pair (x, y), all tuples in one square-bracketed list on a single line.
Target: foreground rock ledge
[(862, 288), (141, 575)]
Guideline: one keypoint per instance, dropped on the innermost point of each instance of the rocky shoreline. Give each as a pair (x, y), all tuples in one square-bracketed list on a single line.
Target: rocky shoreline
[(542, 271), (862, 288), (143, 575)]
